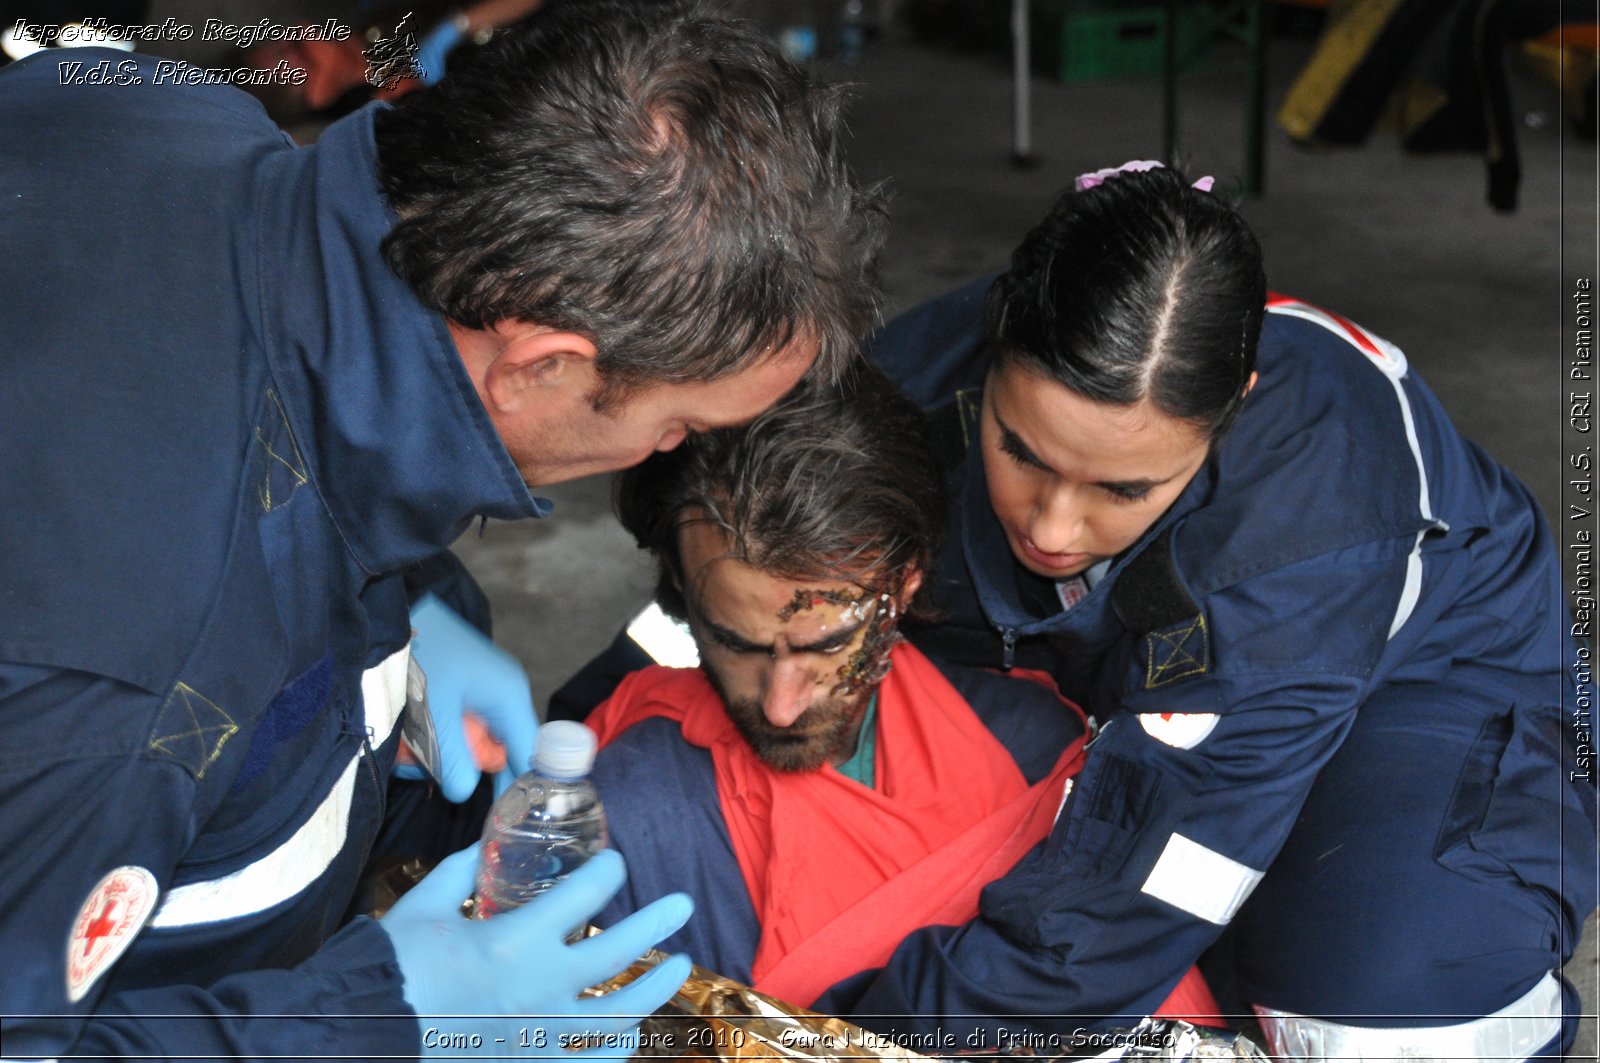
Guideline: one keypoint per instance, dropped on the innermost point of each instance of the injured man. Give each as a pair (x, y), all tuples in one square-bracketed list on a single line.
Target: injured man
[(819, 786)]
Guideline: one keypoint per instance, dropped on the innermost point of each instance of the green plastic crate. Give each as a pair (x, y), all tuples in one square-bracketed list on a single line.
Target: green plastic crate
[(1075, 40)]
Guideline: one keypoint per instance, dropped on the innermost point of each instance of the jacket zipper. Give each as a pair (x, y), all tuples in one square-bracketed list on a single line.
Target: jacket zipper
[(369, 757)]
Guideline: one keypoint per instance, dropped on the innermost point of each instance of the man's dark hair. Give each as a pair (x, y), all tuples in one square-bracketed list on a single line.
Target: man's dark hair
[(659, 180), (834, 482), (1140, 288)]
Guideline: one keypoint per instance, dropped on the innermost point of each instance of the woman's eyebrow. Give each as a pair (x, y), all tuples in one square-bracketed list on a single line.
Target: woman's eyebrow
[(1012, 444)]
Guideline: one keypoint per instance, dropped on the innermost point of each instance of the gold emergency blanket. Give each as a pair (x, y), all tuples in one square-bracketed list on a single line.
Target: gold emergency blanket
[(718, 1020)]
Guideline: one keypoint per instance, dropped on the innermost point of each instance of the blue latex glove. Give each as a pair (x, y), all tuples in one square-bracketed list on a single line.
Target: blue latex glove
[(437, 44), (468, 673), (514, 976)]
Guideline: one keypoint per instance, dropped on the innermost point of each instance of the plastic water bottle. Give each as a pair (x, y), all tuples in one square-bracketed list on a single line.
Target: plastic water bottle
[(547, 824)]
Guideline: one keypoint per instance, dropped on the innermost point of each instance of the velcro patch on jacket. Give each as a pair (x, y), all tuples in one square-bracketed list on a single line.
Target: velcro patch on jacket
[(106, 924), (1152, 600), (291, 710), (1177, 651)]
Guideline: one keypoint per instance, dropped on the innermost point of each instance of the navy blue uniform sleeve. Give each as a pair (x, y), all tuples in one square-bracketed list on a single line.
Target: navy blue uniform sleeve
[(1170, 825), (446, 576), (1029, 720), (663, 814), (83, 804)]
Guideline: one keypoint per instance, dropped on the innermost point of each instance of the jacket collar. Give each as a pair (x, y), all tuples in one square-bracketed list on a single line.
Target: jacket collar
[(399, 444)]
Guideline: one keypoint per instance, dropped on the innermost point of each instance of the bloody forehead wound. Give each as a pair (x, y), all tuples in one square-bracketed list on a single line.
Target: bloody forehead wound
[(870, 663), (805, 599)]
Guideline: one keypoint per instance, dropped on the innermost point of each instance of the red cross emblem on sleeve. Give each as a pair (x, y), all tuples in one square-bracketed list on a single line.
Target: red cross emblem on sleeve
[(1182, 730), (106, 925)]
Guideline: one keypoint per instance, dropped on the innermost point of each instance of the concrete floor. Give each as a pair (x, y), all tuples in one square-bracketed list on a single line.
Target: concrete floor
[(1406, 246)]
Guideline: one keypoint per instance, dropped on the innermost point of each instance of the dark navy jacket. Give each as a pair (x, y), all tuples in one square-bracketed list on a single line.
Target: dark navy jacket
[(665, 816), (226, 430), (1342, 539)]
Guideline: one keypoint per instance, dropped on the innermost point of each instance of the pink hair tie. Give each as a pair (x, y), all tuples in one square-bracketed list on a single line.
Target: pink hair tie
[(1099, 177)]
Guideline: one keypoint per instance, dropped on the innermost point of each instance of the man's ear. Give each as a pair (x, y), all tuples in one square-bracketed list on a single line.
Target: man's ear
[(909, 587), (533, 361)]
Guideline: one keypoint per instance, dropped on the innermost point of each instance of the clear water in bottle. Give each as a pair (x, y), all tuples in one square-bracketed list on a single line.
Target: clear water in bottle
[(544, 827)]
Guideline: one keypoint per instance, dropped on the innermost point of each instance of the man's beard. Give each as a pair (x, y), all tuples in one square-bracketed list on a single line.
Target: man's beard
[(824, 733)]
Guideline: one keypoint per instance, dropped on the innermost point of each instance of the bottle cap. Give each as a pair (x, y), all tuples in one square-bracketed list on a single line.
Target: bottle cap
[(566, 750)]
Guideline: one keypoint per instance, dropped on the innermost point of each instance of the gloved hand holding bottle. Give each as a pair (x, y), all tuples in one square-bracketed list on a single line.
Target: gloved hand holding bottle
[(469, 676), (515, 974)]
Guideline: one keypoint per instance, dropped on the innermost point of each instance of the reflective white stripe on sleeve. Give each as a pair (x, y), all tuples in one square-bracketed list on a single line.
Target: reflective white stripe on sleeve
[(1392, 363), (294, 865), (1411, 591), (383, 694), (1201, 881), (664, 639), (1515, 1032)]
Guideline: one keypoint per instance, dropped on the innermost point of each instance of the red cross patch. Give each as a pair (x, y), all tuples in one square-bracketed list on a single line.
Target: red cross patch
[(1182, 730), (1072, 591), (106, 925)]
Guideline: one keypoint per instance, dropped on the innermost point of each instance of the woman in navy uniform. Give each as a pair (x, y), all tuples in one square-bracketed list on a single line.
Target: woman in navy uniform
[(1325, 635)]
